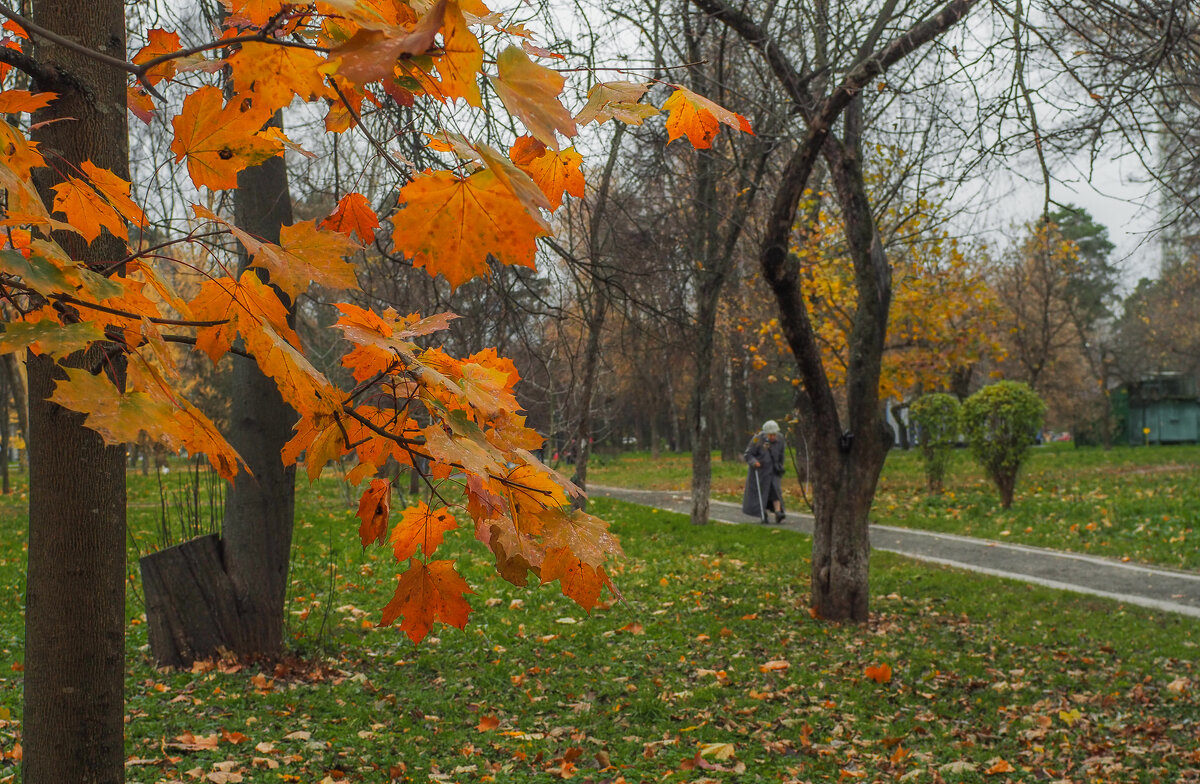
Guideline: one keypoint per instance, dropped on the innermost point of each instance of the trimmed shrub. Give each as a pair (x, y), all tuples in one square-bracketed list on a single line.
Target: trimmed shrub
[(936, 418), (1000, 422)]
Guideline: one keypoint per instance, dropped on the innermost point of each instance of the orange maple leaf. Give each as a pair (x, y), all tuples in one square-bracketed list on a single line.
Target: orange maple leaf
[(427, 593), (256, 12), (371, 53), (16, 101), (305, 255), (699, 118), (115, 191), (220, 140), (86, 210), (554, 172), (578, 581), (880, 673), (353, 216), (158, 43), (272, 74), (999, 766), (420, 528), (228, 303), (373, 509), (586, 536), (461, 60), (487, 723), (451, 225), (530, 92)]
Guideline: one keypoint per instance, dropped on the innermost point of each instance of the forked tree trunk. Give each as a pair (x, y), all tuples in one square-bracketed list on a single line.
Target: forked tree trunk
[(73, 727)]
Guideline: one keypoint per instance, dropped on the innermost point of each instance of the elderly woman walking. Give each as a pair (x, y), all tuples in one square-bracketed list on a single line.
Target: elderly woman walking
[(764, 492)]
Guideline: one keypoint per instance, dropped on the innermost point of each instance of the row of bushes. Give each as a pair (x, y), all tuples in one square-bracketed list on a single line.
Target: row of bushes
[(999, 423)]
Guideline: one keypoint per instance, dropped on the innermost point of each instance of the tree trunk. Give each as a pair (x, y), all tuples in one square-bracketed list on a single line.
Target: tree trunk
[(16, 388), (587, 392), (256, 532), (4, 486), (259, 511), (701, 429), (841, 542), (73, 728)]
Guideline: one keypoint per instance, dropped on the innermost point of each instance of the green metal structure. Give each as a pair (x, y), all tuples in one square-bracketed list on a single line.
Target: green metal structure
[(1161, 409)]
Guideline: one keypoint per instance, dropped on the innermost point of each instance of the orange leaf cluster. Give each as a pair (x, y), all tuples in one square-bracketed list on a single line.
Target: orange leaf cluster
[(409, 402)]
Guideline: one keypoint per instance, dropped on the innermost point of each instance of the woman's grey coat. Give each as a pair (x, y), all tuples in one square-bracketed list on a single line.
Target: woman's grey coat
[(770, 456)]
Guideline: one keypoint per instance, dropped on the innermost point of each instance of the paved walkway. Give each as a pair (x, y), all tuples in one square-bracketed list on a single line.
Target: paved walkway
[(1157, 588)]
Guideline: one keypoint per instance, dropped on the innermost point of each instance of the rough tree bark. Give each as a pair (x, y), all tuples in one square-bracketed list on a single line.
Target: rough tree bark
[(73, 728)]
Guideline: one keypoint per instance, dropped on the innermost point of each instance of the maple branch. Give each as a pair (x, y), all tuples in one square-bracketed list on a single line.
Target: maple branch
[(66, 298), (263, 36), (189, 237), (44, 78), (375, 143), (190, 341), (66, 43), (408, 447)]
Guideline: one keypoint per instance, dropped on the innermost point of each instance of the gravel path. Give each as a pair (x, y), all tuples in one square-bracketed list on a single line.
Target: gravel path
[(1146, 586)]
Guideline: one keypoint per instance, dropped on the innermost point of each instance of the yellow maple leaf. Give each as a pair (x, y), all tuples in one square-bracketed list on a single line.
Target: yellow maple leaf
[(530, 92)]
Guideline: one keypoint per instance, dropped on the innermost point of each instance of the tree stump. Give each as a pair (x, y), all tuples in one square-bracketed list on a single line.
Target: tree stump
[(191, 605)]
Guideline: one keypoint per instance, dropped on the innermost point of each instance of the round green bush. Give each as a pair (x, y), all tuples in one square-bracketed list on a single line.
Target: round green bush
[(1000, 422), (936, 417)]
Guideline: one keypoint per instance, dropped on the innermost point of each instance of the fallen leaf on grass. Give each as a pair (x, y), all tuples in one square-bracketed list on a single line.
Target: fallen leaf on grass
[(999, 765), (189, 742), (774, 664), (720, 751), (633, 628), (880, 673), (488, 723), (1179, 686)]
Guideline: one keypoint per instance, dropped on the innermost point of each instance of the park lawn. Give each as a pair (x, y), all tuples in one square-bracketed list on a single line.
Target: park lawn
[(1136, 503), (711, 653)]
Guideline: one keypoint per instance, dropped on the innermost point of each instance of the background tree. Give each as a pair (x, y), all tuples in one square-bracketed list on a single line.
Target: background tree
[(847, 443), (1000, 423), (936, 417)]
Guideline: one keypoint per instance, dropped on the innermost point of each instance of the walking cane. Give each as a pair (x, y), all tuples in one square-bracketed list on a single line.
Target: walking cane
[(762, 510)]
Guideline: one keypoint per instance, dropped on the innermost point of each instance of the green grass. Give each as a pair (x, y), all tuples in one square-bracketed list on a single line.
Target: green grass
[(1057, 686), (1142, 504)]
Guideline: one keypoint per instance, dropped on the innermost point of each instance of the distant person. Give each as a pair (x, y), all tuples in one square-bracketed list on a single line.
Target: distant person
[(764, 492)]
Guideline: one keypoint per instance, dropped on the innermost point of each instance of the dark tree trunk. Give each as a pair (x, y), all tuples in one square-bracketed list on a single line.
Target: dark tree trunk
[(256, 533), (701, 428), (73, 728), (16, 390), (259, 511), (587, 392), (4, 396)]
